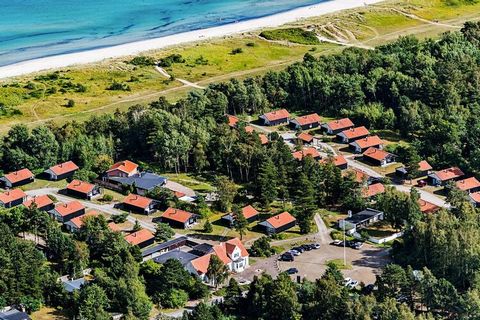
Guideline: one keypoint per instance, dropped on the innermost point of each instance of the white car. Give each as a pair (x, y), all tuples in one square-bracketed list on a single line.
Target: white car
[(294, 252), (353, 284), (347, 281)]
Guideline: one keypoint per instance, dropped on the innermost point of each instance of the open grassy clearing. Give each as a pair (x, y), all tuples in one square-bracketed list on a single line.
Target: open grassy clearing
[(35, 100)]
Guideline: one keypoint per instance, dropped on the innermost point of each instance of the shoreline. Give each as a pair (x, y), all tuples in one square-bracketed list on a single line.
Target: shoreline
[(96, 55)]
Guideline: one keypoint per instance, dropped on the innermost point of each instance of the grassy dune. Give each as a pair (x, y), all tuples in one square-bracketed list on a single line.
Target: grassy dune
[(42, 97)]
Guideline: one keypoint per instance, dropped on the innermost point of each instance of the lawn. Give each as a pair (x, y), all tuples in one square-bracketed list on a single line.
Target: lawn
[(295, 35), (47, 313), (192, 181), (42, 183), (340, 265)]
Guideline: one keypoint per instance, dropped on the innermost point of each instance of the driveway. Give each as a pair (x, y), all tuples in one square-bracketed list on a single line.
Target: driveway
[(424, 195)]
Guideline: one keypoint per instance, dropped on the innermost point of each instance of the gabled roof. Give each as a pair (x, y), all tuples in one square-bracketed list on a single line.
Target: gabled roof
[(475, 196), (249, 129), (201, 263), (307, 152), (263, 138), (308, 119), (19, 175), (232, 120), (65, 209), (353, 133), (340, 124), (12, 195), (337, 161), (143, 180), (373, 189), (79, 221), (424, 166), (468, 184), (360, 175), (40, 202), (221, 253), (427, 207), (376, 154), (139, 237), (276, 115), (281, 219), (249, 212), (235, 242), (126, 166), (305, 137), (448, 174), (368, 142), (80, 186), (177, 215), (137, 201), (114, 227), (64, 168)]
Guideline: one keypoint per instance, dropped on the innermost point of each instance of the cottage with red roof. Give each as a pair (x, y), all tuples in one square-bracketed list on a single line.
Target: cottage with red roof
[(75, 224), (279, 223), (427, 207), (12, 198), (61, 171), (338, 161), (475, 199), (378, 157), (136, 203), (337, 126), (42, 203), (424, 169), (470, 185), (275, 118), (307, 152), (441, 177), (178, 218), (122, 169), (64, 212), (352, 134), (263, 139), (305, 139), (81, 189), (141, 238), (232, 120), (249, 212), (373, 190), (17, 178), (309, 121), (360, 145)]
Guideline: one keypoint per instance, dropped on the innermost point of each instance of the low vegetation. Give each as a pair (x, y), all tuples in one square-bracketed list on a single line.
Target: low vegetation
[(295, 35)]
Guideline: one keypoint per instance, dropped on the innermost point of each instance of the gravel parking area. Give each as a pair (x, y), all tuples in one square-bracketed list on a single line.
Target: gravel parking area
[(366, 262)]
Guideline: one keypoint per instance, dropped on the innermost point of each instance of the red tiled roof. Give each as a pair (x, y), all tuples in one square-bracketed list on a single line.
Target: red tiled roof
[(263, 138), (276, 115), (376, 154), (126, 166), (475, 196), (179, 194), (450, 173), (359, 175), (40, 202), (221, 253), (373, 190), (337, 161), (139, 237), (235, 242), (305, 137), (65, 209), (427, 207), (232, 120), (281, 219), (201, 263), (63, 168), (19, 175), (80, 186), (12, 195), (137, 201), (308, 119), (424, 166), (249, 212), (340, 124), (80, 220), (177, 215), (353, 133), (468, 184), (249, 129), (307, 152), (367, 142)]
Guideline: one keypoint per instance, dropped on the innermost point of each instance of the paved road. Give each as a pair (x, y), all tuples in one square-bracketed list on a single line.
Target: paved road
[(357, 165), (107, 208), (427, 196)]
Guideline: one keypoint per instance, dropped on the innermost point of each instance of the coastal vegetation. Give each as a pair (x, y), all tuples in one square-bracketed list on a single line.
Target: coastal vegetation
[(295, 35)]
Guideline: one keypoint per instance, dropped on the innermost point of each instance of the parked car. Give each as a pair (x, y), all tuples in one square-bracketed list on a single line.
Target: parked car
[(308, 247), (292, 271), (353, 284), (356, 245), (347, 281), (316, 246), (421, 183), (337, 243), (287, 256), (299, 249), (294, 252)]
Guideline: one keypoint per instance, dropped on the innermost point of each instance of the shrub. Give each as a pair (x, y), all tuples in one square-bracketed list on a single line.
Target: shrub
[(171, 59), (107, 197), (207, 227), (70, 103), (261, 248), (251, 44), (120, 218), (52, 197), (296, 35), (142, 61), (118, 86), (237, 51)]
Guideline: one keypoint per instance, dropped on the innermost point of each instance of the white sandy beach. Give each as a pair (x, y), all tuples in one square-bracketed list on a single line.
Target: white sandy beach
[(96, 55)]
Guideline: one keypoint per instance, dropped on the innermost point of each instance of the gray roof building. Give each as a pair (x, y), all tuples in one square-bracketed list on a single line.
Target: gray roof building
[(145, 181)]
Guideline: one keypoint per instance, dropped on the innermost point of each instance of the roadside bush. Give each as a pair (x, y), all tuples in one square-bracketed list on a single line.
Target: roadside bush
[(207, 227), (261, 248), (142, 61), (52, 197), (107, 197), (121, 218)]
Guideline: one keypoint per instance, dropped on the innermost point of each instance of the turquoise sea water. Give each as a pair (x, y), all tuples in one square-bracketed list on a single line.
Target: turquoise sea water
[(32, 29)]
